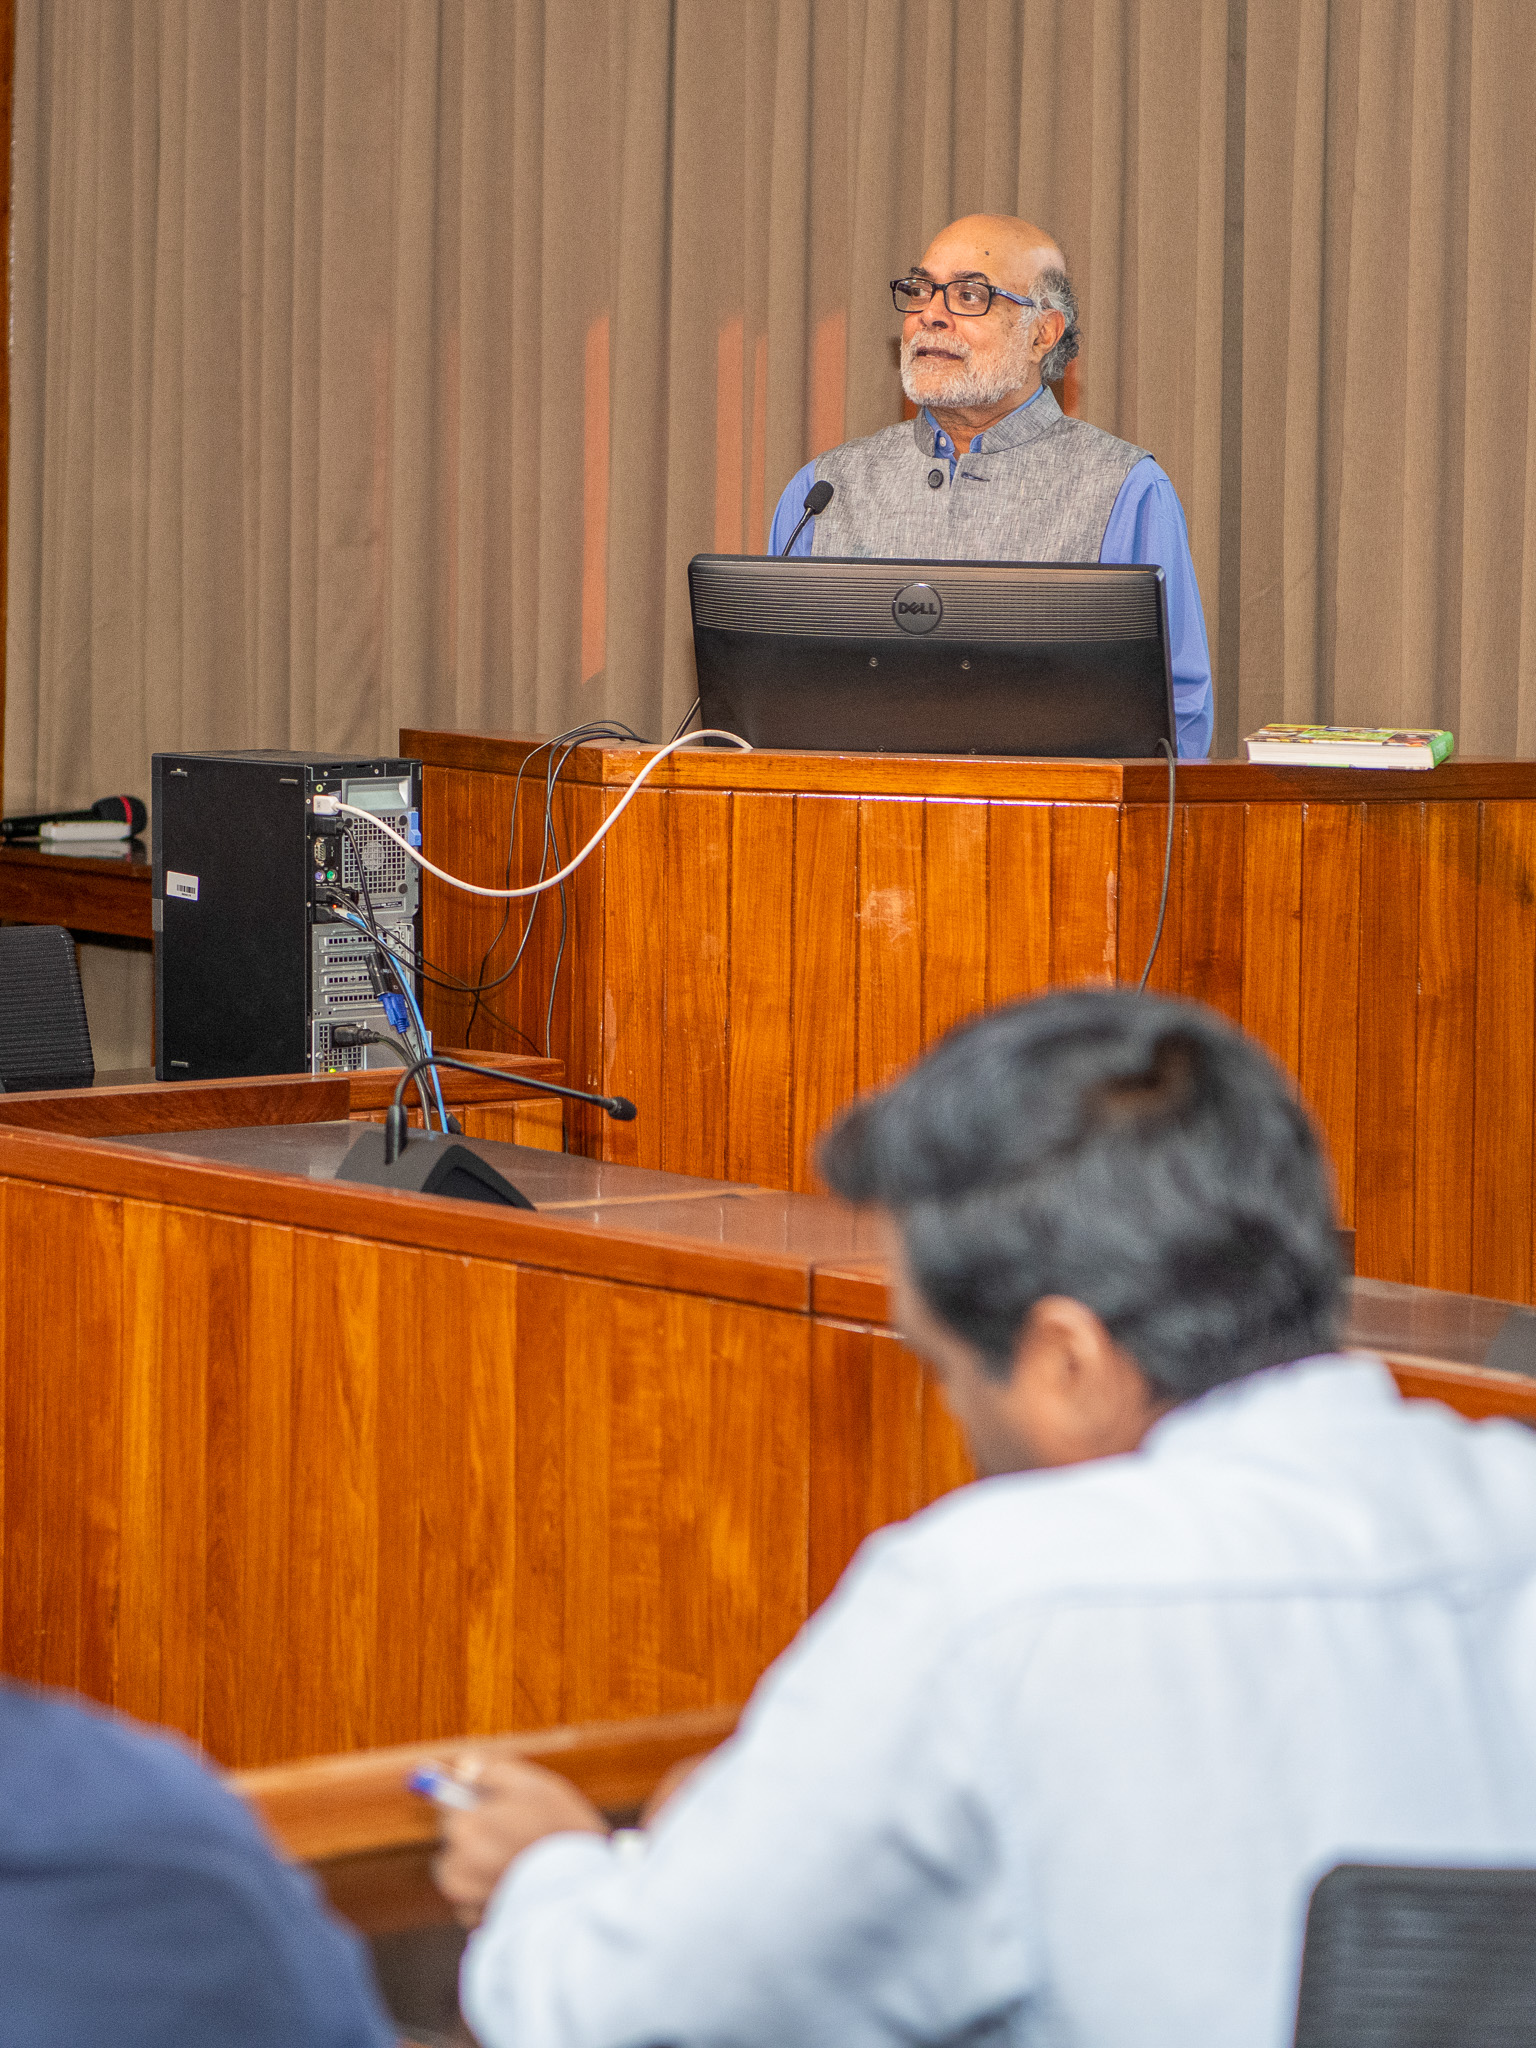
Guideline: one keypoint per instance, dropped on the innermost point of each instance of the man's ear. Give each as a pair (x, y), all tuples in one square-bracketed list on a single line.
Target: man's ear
[(1074, 1393), (1049, 328)]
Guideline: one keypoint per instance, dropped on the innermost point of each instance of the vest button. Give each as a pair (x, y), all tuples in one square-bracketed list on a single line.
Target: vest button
[(935, 479)]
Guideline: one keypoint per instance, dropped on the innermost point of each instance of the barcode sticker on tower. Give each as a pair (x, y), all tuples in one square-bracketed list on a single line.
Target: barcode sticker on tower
[(184, 886)]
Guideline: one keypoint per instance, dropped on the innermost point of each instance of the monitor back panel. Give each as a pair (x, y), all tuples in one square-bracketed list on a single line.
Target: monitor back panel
[(922, 657)]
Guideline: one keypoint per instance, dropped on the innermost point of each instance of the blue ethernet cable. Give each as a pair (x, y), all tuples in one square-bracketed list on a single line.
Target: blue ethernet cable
[(394, 1006)]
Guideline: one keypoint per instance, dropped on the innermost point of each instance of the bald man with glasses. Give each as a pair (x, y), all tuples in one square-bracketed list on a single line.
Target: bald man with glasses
[(991, 469)]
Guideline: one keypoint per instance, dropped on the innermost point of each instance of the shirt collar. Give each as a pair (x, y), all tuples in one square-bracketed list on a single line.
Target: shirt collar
[(1025, 423), (1304, 1393)]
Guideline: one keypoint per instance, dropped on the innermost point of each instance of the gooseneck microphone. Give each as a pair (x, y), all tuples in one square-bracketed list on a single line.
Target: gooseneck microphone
[(817, 499), (619, 1107), (122, 810)]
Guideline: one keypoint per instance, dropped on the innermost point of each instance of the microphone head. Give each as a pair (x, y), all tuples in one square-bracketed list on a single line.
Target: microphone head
[(621, 1109), (818, 498), (127, 807)]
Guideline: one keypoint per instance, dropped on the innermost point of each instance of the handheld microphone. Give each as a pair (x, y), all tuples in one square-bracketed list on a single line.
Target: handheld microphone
[(120, 809), (817, 499)]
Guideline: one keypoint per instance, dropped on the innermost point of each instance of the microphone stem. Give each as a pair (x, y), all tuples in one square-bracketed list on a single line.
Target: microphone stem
[(800, 527), (442, 1059)]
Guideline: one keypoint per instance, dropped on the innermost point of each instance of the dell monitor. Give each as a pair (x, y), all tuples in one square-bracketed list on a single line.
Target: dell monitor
[(933, 657)]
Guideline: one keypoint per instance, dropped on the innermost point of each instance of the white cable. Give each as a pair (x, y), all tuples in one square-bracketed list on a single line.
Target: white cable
[(332, 806)]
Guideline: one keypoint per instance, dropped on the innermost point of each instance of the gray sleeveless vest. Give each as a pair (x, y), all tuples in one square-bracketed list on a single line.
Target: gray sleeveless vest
[(1039, 488)]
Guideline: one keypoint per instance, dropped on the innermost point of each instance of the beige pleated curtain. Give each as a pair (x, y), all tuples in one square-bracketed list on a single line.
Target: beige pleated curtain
[(384, 361)]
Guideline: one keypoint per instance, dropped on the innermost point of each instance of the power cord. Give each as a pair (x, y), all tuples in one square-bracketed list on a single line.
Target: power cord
[(579, 735), (347, 1036), (687, 719), (332, 806), (1162, 908)]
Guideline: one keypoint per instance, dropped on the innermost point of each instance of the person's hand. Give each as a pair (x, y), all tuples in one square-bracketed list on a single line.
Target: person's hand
[(519, 1805), (670, 1784)]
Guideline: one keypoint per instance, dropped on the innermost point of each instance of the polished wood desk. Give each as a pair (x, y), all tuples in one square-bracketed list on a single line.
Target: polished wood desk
[(93, 893), (765, 935), (369, 1842), (298, 1466)]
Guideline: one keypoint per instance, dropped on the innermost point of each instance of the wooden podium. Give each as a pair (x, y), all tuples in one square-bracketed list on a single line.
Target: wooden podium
[(762, 936)]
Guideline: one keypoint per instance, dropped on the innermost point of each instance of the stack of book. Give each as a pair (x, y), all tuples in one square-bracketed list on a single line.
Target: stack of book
[(1348, 746)]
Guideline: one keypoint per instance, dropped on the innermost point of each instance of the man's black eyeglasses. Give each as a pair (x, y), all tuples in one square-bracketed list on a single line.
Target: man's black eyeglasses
[(967, 297)]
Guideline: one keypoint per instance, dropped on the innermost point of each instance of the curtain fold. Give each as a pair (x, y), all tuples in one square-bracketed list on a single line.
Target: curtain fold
[(384, 361)]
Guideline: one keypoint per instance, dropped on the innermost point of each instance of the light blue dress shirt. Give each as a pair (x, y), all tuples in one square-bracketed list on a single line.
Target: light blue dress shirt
[(1058, 1764), (1146, 527)]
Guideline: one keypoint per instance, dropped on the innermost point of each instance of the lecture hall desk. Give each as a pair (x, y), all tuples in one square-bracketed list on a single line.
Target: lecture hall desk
[(764, 935), (93, 890), (301, 1467)]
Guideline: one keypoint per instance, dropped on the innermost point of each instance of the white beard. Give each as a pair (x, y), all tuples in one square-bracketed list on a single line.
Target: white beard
[(962, 383)]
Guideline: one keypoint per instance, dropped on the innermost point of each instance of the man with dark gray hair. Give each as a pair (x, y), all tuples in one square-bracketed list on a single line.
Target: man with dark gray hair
[(1063, 1756), (991, 469)]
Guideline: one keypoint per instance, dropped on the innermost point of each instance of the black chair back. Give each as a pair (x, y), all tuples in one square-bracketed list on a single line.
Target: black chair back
[(1419, 1958), (45, 1041)]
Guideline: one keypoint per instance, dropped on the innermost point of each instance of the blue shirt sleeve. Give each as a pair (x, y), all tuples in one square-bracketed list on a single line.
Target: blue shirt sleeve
[(1146, 527), (788, 510)]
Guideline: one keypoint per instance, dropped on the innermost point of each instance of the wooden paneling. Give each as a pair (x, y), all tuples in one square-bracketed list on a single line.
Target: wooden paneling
[(1444, 1107), (635, 917), (1390, 855), (1503, 1052), (1371, 929), (1211, 930), (580, 1018), (823, 1059), (178, 1105), (1085, 860), (956, 887), (762, 980), (1143, 844), (889, 965), (1330, 983), (696, 959), (1019, 905), (1271, 930), (866, 1429), (294, 1490), (296, 1468)]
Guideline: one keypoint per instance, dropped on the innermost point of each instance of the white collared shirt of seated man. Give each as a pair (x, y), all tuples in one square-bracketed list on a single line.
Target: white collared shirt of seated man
[(1063, 1756)]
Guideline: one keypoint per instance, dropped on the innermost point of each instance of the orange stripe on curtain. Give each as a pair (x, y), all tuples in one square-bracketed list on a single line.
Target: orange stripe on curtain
[(829, 377), (757, 512)]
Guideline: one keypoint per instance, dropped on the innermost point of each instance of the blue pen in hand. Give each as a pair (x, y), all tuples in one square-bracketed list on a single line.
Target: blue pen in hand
[(439, 1785)]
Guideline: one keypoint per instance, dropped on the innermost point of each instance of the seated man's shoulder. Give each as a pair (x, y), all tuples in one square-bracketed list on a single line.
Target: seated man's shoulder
[(1317, 1471), (70, 1770), (135, 1889)]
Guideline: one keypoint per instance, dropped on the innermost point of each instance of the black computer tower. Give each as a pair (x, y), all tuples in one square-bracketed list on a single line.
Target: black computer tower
[(253, 962)]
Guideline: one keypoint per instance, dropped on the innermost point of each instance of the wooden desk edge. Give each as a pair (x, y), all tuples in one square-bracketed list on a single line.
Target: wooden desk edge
[(325, 1807), (1020, 778), (511, 1236)]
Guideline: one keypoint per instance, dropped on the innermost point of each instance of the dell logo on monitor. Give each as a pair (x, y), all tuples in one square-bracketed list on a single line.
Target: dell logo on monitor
[(917, 608)]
